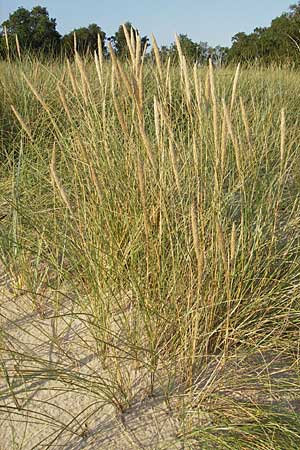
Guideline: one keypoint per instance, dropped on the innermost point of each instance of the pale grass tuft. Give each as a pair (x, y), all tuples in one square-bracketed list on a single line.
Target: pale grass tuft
[(176, 247)]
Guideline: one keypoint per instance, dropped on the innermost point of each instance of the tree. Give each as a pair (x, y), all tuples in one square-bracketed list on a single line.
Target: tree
[(119, 40), (219, 55), (36, 31), (86, 39), (277, 43), (193, 51)]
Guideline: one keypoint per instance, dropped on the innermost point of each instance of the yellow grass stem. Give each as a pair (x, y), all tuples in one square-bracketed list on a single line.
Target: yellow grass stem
[(98, 70), (146, 143), (156, 121), (282, 139), (63, 101), (157, 57), (141, 183), (6, 42), (43, 103), (84, 79), (187, 90), (196, 241), (100, 54), (18, 47), (125, 80), (22, 123), (72, 79), (168, 78), (74, 43), (56, 181), (133, 36), (91, 163), (207, 87), (245, 121), (232, 245), (198, 90), (130, 42), (223, 147), (234, 87), (138, 51), (234, 141), (140, 91), (221, 245), (118, 110), (174, 165), (179, 49), (214, 105)]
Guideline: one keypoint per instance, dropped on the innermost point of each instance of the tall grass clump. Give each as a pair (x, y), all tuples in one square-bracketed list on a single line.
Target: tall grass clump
[(162, 201)]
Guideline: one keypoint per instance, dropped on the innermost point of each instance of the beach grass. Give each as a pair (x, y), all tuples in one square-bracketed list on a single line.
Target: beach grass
[(160, 203)]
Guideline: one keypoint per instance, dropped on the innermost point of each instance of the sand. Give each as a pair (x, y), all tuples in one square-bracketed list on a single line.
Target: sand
[(50, 390)]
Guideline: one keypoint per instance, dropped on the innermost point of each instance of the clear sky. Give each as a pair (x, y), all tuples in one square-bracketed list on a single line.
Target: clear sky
[(212, 21)]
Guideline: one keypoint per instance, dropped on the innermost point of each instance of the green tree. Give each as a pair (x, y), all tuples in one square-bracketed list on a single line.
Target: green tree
[(86, 39), (193, 51), (119, 40), (35, 29), (277, 43), (219, 55)]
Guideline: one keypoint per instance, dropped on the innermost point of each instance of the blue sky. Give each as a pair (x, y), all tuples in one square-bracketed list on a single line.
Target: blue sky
[(214, 21)]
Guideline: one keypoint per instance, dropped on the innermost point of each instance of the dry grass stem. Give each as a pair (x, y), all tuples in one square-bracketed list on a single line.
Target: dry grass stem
[(282, 138), (174, 165), (234, 87), (245, 121), (18, 47), (214, 104), (22, 123), (157, 57), (6, 43), (56, 181)]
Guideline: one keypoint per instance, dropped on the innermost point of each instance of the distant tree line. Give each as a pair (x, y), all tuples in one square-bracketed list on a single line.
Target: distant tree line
[(280, 42), (35, 31)]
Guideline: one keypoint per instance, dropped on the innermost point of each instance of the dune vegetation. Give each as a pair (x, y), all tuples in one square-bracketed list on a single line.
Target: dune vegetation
[(157, 205)]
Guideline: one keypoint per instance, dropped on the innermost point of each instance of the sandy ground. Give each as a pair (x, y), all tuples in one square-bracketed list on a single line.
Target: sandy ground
[(52, 384), (65, 412)]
